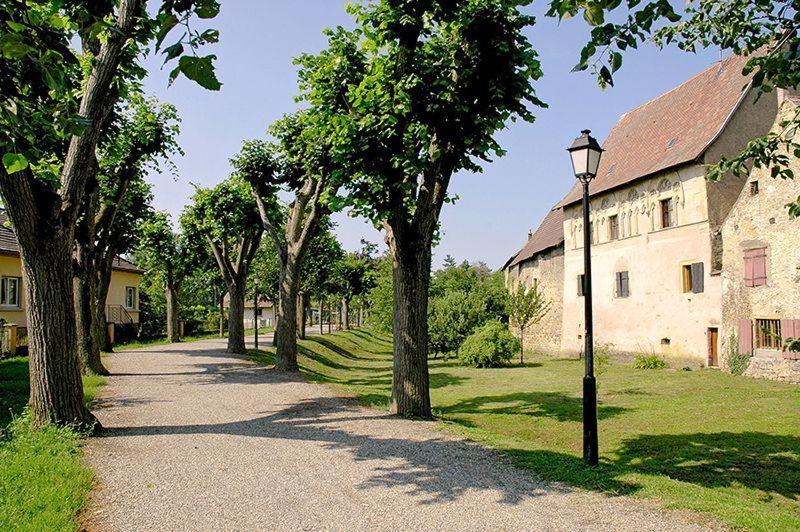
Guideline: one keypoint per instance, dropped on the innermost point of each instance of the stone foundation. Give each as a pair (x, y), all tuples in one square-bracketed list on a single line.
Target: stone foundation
[(774, 369)]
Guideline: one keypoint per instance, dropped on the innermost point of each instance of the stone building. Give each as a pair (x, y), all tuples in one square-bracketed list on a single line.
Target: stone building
[(541, 263), (656, 223), (761, 271)]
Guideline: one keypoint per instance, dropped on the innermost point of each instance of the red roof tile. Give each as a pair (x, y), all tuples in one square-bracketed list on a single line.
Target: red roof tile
[(549, 235), (672, 129)]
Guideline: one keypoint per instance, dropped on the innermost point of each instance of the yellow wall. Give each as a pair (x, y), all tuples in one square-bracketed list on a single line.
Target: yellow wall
[(10, 267)]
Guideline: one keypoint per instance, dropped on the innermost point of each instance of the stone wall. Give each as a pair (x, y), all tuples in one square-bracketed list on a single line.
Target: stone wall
[(757, 221), (547, 271)]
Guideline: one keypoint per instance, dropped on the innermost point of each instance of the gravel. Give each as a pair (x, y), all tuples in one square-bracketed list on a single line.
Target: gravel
[(196, 439)]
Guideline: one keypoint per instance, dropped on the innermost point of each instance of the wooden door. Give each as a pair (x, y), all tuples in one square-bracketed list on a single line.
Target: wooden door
[(713, 347)]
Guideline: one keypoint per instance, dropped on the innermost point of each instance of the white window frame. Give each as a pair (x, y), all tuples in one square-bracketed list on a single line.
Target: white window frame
[(130, 290), (5, 282)]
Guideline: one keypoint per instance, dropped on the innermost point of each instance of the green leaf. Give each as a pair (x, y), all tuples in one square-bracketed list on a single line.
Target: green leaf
[(13, 46), (616, 61), (594, 14), (14, 162), (200, 70), (207, 8), (169, 22), (171, 52)]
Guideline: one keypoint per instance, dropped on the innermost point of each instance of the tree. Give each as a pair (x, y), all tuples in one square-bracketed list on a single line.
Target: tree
[(56, 102), (356, 272), (226, 218), (162, 251), (526, 307), (765, 31), (433, 81), (321, 269), (143, 132)]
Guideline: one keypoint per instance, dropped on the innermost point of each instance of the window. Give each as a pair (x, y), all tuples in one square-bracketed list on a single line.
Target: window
[(613, 227), (768, 334), (755, 267), (581, 285), (130, 297), (622, 284), (754, 188), (9, 291), (667, 213), (693, 280)]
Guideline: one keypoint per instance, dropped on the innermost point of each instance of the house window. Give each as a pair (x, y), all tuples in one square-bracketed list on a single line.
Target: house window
[(9, 291), (581, 285), (768, 334), (754, 188), (622, 284), (693, 280), (613, 227), (667, 213), (130, 297), (755, 267)]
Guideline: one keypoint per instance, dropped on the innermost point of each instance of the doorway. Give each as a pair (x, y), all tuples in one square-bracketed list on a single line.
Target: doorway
[(713, 346)]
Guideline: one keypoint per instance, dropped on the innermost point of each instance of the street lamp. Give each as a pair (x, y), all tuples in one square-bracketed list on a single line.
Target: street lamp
[(585, 153)]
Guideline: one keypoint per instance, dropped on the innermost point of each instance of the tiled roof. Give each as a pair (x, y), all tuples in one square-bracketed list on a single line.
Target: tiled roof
[(9, 245), (549, 235), (672, 129), (248, 304)]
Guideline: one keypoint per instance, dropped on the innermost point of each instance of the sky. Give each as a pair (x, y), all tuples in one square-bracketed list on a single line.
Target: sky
[(490, 221)]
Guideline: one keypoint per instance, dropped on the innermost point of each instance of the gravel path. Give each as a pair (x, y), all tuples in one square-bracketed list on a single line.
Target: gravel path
[(197, 439)]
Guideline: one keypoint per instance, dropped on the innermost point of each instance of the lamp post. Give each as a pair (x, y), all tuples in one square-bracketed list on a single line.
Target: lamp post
[(585, 153), (255, 312)]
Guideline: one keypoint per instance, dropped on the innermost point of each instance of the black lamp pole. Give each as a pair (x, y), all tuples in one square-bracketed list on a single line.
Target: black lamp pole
[(585, 153), (590, 452), (255, 313)]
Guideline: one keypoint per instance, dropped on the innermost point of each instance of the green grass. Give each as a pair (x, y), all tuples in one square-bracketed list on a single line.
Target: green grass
[(699, 440), (43, 483)]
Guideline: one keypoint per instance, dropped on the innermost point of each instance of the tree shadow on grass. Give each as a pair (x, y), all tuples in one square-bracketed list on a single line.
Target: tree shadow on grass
[(556, 405), (339, 350)]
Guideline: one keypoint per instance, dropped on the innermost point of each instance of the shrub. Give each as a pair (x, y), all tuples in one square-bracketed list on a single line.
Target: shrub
[(490, 346), (451, 318), (737, 362), (651, 361)]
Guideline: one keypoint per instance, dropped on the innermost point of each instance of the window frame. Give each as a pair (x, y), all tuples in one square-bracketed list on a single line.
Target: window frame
[(667, 213), (613, 227), (581, 285), (767, 334), (131, 290), (4, 291), (622, 278), (690, 272), (754, 188)]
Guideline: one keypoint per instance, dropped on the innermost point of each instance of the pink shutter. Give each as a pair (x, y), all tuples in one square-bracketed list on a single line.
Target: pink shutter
[(745, 337), (748, 270), (760, 269), (790, 329)]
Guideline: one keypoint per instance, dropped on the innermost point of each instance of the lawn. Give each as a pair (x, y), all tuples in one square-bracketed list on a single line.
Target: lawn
[(43, 484), (701, 440)]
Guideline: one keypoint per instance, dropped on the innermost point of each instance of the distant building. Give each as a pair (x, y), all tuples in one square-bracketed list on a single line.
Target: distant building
[(266, 312), (664, 237), (122, 302)]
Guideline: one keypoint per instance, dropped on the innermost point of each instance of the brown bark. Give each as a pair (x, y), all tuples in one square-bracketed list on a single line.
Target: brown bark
[(55, 372), (236, 319), (173, 314), (86, 303), (321, 311), (286, 326), (301, 316), (222, 314), (330, 317), (345, 314), (99, 323)]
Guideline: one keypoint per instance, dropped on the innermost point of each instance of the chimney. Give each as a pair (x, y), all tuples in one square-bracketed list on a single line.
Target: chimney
[(530, 234)]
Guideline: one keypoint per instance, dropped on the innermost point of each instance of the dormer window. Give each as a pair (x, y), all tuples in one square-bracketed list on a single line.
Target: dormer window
[(754, 188)]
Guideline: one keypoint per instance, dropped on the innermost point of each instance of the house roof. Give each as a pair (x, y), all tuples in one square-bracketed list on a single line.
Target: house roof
[(670, 130), (10, 246), (549, 235)]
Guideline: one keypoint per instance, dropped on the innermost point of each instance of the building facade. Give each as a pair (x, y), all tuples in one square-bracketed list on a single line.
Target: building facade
[(761, 271), (670, 248)]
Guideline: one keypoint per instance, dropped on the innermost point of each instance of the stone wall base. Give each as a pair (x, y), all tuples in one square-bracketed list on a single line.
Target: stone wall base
[(775, 369)]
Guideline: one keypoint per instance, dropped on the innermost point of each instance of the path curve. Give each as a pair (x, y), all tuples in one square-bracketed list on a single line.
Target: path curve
[(196, 439)]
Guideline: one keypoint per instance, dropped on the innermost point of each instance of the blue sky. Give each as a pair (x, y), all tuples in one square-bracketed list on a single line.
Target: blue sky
[(259, 39)]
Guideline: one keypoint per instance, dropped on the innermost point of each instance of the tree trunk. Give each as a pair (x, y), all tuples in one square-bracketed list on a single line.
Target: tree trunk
[(85, 301), (236, 319), (301, 316), (521, 346), (345, 314), (222, 314), (56, 389), (99, 323), (410, 381), (286, 330), (173, 319), (358, 317), (330, 318), (321, 310)]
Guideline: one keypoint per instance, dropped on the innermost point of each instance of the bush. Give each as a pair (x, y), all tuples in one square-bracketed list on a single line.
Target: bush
[(490, 346), (651, 361), (451, 318), (737, 362)]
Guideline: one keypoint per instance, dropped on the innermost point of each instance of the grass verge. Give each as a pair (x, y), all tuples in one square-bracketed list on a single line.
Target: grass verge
[(43, 483), (699, 440)]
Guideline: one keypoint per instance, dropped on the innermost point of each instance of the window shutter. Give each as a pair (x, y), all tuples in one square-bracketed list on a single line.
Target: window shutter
[(760, 268), (3, 291), (698, 278), (748, 270), (745, 337), (790, 329), (625, 284)]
